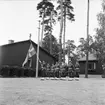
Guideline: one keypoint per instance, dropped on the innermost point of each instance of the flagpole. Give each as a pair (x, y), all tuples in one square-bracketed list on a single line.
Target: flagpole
[(30, 37), (38, 51), (30, 43)]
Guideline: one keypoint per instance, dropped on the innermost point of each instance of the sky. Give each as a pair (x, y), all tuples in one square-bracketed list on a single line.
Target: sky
[(19, 18)]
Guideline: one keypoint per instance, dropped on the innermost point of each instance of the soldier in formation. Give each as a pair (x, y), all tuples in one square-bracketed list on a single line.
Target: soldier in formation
[(53, 70), (70, 70), (48, 70), (43, 69), (103, 66), (58, 70), (62, 70), (77, 69)]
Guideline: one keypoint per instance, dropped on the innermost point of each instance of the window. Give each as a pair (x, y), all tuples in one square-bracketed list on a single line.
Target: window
[(92, 66)]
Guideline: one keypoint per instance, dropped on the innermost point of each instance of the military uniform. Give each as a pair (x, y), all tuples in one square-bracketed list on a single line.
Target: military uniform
[(53, 70), (103, 66), (62, 70), (57, 69), (70, 70), (48, 70), (66, 70), (43, 69), (77, 68)]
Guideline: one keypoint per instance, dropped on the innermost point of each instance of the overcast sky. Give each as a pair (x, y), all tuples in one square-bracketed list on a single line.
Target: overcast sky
[(19, 18)]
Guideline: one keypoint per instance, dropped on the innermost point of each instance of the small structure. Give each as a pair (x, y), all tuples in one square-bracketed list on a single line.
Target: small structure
[(94, 66), (10, 41)]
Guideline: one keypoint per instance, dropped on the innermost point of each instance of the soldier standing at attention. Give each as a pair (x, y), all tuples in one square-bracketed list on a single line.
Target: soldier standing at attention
[(62, 69), (48, 70), (70, 69), (53, 70), (66, 69), (103, 66), (57, 68), (44, 69), (77, 68)]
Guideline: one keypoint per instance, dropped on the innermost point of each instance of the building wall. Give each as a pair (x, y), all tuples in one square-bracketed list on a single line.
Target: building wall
[(82, 67), (98, 69), (15, 54)]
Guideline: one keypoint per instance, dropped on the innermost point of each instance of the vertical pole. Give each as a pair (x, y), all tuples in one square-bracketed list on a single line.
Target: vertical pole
[(60, 36), (64, 32), (42, 27), (87, 52), (30, 37), (31, 57), (38, 51), (51, 33)]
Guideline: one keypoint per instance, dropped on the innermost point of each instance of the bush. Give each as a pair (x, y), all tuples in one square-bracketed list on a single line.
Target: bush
[(103, 76), (32, 72), (4, 71), (15, 71)]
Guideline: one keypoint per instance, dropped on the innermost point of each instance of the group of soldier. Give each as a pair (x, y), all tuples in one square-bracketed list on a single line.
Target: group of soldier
[(60, 70)]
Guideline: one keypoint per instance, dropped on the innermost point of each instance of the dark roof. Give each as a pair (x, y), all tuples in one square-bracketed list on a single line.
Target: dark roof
[(25, 42), (91, 57)]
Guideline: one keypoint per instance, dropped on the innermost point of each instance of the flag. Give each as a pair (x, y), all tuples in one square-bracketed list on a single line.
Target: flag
[(29, 55)]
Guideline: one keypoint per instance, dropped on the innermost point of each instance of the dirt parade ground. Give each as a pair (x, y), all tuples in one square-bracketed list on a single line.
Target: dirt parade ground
[(32, 91)]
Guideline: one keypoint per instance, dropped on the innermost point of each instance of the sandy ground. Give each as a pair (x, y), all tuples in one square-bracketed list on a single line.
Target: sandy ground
[(31, 91)]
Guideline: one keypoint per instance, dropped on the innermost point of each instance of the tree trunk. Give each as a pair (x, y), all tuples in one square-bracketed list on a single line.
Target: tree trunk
[(64, 35), (68, 54), (51, 33), (87, 52), (60, 36), (42, 27)]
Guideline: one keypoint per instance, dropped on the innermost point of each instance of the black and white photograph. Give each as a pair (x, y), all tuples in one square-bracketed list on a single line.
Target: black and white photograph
[(52, 52)]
